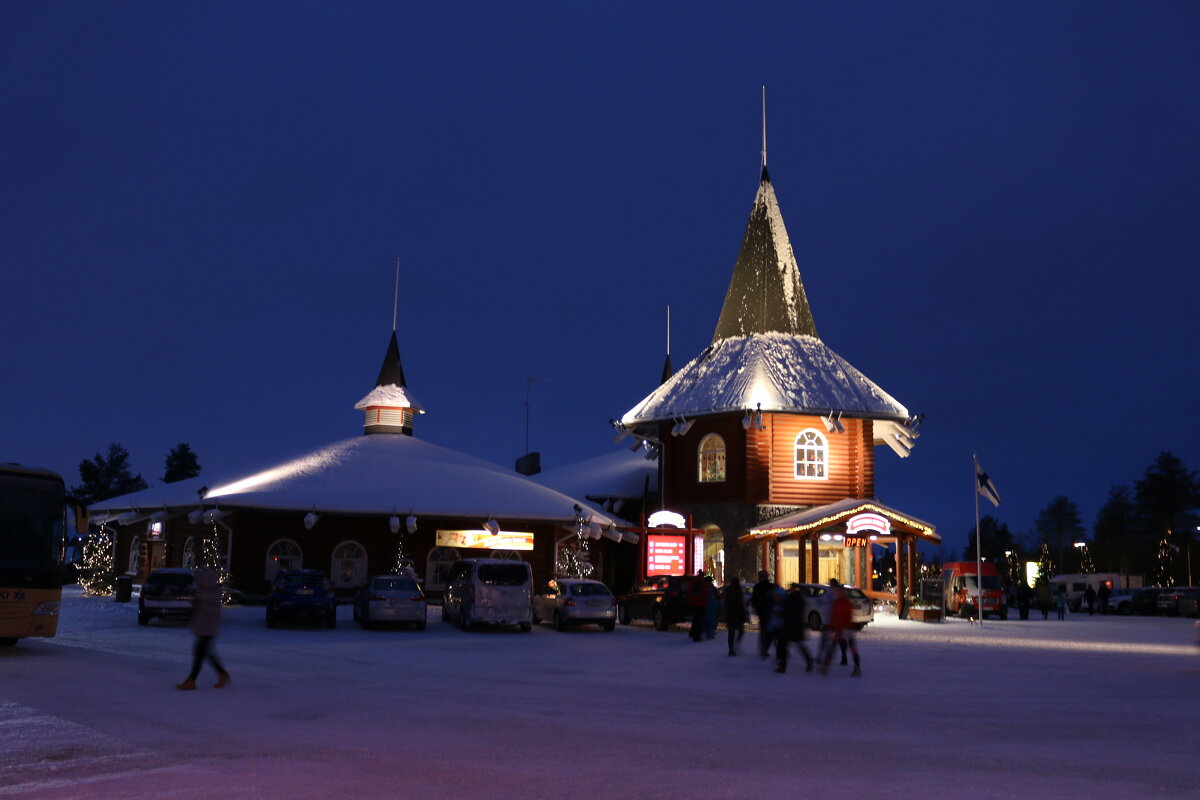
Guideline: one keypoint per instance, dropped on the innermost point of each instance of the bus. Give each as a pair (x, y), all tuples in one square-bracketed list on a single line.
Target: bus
[(33, 520)]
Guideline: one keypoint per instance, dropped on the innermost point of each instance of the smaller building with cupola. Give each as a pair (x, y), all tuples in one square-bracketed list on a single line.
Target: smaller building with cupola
[(357, 507)]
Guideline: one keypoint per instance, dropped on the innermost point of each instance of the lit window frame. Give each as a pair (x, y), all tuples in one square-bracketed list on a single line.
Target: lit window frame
[(810, 460), (711, 461)]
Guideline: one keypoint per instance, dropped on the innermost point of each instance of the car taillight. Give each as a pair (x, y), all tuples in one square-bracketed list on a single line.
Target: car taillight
[(570, 601), (376, 598), (417, 599)]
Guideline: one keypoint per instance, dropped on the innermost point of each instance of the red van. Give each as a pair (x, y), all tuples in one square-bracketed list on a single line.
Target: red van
[(962, 589)]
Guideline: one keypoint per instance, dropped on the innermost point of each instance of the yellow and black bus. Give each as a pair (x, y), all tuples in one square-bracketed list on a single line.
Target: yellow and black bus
[(33, 519)]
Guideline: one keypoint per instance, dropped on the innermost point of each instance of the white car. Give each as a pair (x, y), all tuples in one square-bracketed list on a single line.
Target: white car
[(390, 598), (575, 601), (816, 605)]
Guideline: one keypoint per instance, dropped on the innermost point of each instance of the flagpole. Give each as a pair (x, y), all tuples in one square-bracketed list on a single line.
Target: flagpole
[(978, 551)]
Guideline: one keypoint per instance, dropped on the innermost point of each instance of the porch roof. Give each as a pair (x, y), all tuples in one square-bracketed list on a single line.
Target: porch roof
[(812, 520)]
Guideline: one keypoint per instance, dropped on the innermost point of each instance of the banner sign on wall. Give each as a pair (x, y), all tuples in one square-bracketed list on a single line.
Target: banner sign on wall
[(486, 540)]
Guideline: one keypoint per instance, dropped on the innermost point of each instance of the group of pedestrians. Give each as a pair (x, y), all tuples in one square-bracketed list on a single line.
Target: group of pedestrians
[(783, 620)]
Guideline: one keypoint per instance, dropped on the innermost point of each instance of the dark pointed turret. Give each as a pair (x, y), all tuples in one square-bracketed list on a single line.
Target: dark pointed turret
[(389, 408), (765, 293)]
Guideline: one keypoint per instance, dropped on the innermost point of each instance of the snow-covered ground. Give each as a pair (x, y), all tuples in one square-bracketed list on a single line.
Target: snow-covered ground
[(1092, 707)]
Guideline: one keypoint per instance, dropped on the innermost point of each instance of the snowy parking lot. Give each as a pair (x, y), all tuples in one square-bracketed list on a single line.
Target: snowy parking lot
[(1090, 707)]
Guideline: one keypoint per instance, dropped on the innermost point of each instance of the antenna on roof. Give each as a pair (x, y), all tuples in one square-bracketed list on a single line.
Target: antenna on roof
[(668, 331), (764, 125), (396, 295)]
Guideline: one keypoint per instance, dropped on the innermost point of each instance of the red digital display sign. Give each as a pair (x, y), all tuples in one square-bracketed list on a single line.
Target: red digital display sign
[(665, 554)]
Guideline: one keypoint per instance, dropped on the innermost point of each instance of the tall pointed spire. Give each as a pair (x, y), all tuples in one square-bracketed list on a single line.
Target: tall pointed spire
[(765, 292), (668, 370), (391, 372)]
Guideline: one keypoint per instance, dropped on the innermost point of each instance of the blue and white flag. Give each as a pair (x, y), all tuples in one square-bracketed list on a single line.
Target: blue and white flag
[(984, 485)]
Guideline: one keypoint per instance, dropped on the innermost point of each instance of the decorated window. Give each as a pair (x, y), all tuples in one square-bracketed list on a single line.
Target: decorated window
[(812, 455), (135, 556), (283, 554), (349, 567), (188, 559), (437, 567), (712, 459)]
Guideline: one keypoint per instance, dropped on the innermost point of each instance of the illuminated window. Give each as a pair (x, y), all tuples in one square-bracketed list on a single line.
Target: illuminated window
[(283, 554), (712, 459), (437, 567), (812, 455), (135, 556), (349, 567), (188, 559)]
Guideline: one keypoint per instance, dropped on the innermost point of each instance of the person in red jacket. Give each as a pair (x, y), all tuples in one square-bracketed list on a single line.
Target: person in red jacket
[(841, 627)]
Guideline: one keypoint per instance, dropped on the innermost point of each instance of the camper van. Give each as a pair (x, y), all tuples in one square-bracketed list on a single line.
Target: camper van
[(1076, 585), (962, 589)]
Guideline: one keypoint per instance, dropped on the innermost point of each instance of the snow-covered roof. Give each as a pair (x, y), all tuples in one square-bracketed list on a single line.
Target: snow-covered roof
[(777, 371), (835, 513), (378, 474), (618, 474), (390, 396)]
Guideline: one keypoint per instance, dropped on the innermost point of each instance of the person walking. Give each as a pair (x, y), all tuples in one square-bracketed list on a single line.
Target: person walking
[(713, 611), (790, 627), (1089, 597), (205, 625), (1060, 602), (1023, 599), (761, 600), (734, 601), (840, 612), (1104, 594), (1043, 597), (697, 601)]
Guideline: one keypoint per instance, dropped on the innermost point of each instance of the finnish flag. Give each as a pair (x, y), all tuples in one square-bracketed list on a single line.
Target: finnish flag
[(985, 486)]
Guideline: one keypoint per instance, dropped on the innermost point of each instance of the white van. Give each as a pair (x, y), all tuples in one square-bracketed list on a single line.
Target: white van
[(495, 591), (1075, 585)]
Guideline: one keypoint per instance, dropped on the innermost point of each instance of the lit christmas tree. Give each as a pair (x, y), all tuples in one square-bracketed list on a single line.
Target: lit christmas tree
[(1045, 563), (96, 570), (1086, 565), (402, 559), (575, 560), (210, 558), (1164, 563)]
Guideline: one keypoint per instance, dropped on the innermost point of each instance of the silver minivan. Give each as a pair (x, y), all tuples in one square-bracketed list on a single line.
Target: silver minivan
[(494, 591)]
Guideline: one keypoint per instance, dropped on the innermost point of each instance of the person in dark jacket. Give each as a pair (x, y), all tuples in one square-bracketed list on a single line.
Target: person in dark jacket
[(1104, 594), (205, 624), (1089, 597), (734, 601), (761, 601), (789, 627), (1023, 593)]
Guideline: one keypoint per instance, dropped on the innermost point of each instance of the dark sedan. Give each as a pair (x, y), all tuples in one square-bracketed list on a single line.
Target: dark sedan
[(662, 599)]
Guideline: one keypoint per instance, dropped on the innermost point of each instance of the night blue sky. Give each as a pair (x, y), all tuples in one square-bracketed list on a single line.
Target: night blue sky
[(994, 208)]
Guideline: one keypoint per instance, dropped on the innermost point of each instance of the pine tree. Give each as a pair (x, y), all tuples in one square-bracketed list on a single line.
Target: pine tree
[(1117, 542), (107, 477), (181, 464), (1045, 563), (1058, 526), (1164, 564)]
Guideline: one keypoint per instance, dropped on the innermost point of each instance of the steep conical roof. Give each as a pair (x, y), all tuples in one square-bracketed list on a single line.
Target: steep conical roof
[(765, 293), (391, 373)]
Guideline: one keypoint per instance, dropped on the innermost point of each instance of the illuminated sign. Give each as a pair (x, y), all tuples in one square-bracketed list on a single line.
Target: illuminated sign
[(860, 523), (855, 541), (486, 540), (666, 519), (154, 531), (665, 554)]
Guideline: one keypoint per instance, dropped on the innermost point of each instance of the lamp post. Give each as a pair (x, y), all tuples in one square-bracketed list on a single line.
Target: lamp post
[(1080, 546)]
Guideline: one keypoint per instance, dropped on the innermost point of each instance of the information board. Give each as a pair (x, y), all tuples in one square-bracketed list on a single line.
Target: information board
[(665, 554)]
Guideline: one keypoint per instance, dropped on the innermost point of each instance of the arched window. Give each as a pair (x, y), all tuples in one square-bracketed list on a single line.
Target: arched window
[(349, 567), (283, 554), (711, 459), (437, 567), (188, 559), (135, 556), (812, 455)]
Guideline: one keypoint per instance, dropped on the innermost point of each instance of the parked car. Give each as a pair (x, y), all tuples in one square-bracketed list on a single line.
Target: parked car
[(1179, 601), (1121, 601), (575, 601), (390, 598), (1145, 600), (302, 595), (816, 605), (167, 593), (662, 599), (495, 591)]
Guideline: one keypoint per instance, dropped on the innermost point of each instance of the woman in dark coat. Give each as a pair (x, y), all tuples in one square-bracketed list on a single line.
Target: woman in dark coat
[(735, 612), (206, 624), (790, 628)]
